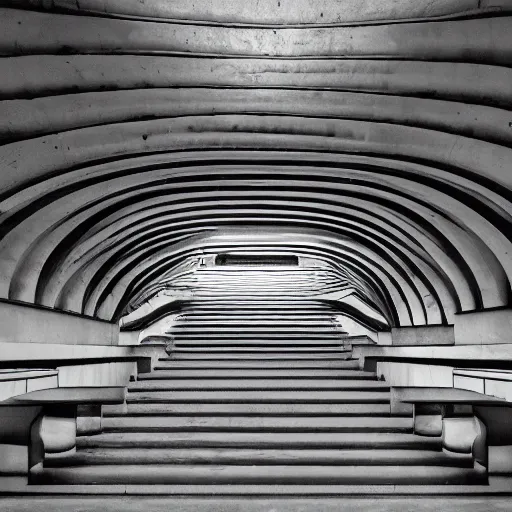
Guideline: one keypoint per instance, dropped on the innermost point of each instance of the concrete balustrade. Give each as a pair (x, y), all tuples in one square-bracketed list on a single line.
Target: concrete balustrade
[(44, 422), (469, 422), (26, 323)]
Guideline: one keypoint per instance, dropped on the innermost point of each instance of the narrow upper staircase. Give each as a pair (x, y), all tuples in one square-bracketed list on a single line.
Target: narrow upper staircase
[(260, 418), (269, 321)]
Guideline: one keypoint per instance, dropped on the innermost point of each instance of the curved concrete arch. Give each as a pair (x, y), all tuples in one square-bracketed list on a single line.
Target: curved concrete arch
[(473, 40), (40, 116), (54, 184), (58, 152), (44, 75), (286, 12)]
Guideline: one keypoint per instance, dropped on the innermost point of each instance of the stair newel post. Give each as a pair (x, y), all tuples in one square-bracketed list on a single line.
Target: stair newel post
[(498, 421), (53, 433), (464, 432)]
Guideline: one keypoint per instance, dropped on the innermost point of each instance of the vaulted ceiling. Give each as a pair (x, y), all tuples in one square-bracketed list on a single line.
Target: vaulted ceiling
[(374, 136)]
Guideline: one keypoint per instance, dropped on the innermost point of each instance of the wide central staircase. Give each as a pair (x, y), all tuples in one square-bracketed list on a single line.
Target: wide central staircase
[(273, 416)]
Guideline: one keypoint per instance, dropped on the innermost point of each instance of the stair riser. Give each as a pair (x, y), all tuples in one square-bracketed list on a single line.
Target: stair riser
[(252, 409), (154, 398), (166, 364), (256, 387), (309, 475)]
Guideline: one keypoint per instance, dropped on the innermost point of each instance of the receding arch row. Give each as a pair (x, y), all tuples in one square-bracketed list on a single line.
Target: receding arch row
[(138, 268), (396, 297), (417, 289), (337, 175), (46, 216), (184, 253)]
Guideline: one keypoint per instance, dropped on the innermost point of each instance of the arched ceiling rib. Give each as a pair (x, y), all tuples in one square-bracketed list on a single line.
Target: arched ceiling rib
[(374, 137)]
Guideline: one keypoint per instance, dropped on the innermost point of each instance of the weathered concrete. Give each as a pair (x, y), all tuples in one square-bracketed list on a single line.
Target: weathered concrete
[(484, 328), (285, 12), (423, 335), (354, 504), (481, 40), (29, 324)]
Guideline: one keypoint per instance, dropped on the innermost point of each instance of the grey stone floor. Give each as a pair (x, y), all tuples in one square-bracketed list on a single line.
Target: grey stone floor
[(141, 504)]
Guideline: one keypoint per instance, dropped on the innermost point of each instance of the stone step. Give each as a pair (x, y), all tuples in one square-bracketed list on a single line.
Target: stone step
[(235, 349), (166, 363), (261, 336), (258, 384), (212, 373), (294, 344), (256, 424), (219, 409), (162, 474), (329, 397), (253, 328), (263, 498), (257, 319), (260, 440), (260, 356), (328, 457), (492, 496)]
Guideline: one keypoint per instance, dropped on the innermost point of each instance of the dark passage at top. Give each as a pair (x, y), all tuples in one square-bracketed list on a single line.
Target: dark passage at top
[(257, 260)]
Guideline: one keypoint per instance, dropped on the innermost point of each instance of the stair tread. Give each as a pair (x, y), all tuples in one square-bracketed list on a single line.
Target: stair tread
[(258, 423), (338, 364), (243, 408), (248, 373), (168, 363), (263, 496), (179, 349), (254, 328), (260, 440), (242, 384), (134, 455), (257, 356), (382, 396)]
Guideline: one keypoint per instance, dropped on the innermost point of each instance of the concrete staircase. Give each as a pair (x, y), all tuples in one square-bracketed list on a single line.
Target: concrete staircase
[(261, 419)]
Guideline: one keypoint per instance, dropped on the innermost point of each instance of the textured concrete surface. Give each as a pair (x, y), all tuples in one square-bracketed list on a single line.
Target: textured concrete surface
[(359, 504), (384, 126)]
